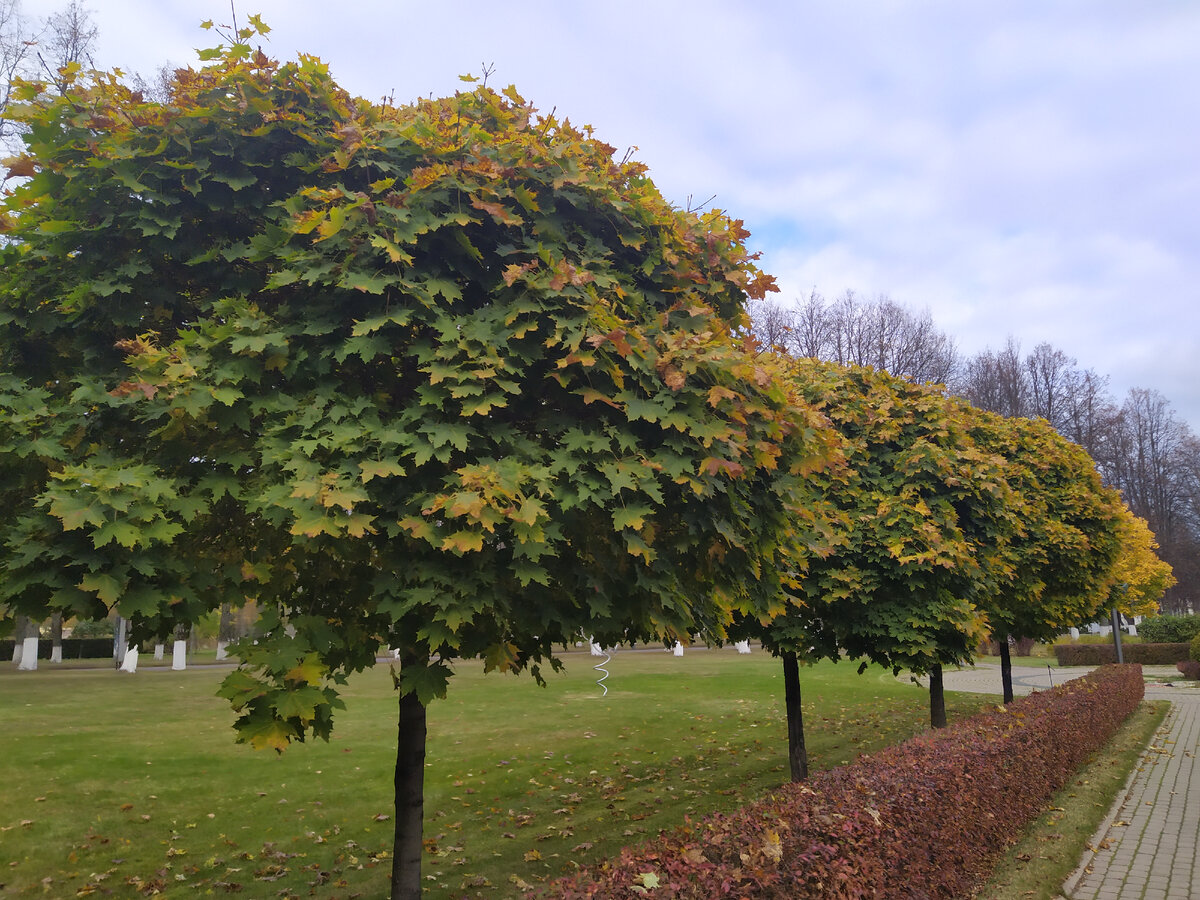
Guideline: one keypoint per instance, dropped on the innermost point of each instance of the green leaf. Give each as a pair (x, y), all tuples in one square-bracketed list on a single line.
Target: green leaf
[(264, 732), (630, 517), (104, 586)]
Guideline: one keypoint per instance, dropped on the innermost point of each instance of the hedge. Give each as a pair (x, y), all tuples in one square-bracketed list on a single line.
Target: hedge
[(928, 818), (1169, 629), (1102, 654), (72, 648)]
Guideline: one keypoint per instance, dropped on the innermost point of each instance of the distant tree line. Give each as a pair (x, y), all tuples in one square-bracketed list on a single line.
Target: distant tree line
[(1139, 444)]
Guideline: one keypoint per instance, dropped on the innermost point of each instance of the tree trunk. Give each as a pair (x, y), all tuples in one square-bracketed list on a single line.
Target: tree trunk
[(797, 754), (56, 638), (1006, 669), (29, 647), (120, 641), (225, 632), (937, 698), (410, 799)]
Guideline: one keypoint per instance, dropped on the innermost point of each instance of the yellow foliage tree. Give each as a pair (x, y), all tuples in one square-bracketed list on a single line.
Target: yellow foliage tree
[(1140, 578)]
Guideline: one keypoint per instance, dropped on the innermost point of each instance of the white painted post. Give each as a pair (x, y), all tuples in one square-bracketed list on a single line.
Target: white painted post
[(179, 656), (129, 664), (29, 652)]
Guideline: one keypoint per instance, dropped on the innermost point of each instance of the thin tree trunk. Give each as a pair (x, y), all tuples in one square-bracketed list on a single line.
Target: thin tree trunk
[(1006, 669), (56, 638), (120, 642), (225, 634), (937, 698), (410, 799), (797, 754)]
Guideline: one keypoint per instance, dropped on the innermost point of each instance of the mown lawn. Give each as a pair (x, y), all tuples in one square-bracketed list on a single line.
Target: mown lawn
[(120, 785)]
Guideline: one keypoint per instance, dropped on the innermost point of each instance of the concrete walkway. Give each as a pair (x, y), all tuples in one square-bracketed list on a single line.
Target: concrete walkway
[(1146, 847)]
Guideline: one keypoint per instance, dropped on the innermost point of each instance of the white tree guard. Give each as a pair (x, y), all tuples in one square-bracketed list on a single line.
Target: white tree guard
[(29, 652), (56, 653), (1074, 634), (179, 656), (678, 651), (158, 651), (742, 646), (222, 649), (131, 660), (596, 649)]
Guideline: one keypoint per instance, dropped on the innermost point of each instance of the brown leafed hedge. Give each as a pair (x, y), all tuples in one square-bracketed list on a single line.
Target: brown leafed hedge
[(1102, 654), (925, 819)]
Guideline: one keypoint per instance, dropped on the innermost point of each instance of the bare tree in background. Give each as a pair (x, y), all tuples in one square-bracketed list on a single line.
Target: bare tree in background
[(17, 43), (1154, 460), (1089, 413), (879, 333), (39, 49), (70, 38)]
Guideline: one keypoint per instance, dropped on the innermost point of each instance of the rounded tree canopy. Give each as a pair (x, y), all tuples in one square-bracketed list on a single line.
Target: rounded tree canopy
[(444, 377), (1063, 537), (916, 512)]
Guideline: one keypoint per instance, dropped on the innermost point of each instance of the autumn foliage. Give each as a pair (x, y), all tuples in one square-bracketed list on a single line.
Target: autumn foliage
[(919, 820)]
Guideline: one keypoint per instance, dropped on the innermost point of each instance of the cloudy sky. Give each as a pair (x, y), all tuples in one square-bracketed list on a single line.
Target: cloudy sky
[(1028, 168)]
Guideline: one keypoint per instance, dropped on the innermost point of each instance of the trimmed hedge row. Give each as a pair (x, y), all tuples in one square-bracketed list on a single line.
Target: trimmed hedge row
[(925, 819), (1103, 654), (72, 648)]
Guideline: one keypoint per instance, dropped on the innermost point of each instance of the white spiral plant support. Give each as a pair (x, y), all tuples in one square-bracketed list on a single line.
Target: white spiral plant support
[(599, 667)]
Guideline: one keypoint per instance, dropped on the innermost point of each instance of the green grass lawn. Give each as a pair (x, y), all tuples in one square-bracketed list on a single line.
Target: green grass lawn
[(119, 785)]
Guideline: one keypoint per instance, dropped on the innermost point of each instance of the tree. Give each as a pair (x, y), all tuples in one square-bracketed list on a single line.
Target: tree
[(1139, 578), (16, 43), (913, 512), (28, 49), (1151, 457), (879, 333), (997, 381), (441, 377), (1062, 539)]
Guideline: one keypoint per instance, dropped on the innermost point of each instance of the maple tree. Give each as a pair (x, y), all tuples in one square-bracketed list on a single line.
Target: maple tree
[(1062, 538), (913, 513), (1139, 578), (444, 378)]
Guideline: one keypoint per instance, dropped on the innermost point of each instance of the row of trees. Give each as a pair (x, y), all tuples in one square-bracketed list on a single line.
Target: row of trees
[(1138, 444), (449, 379)]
